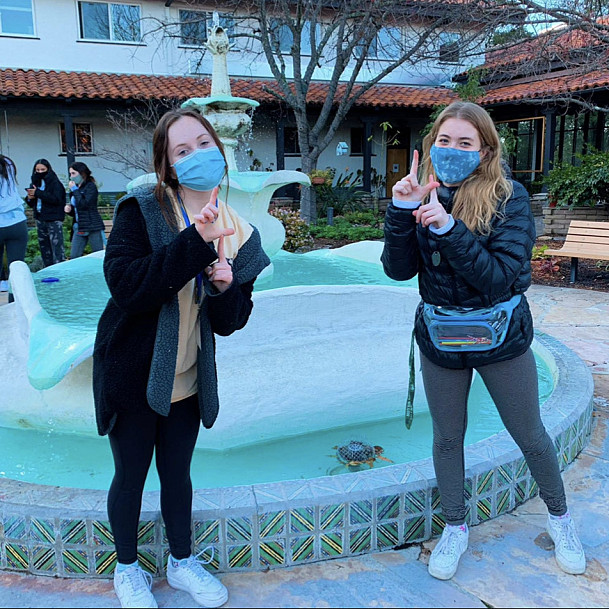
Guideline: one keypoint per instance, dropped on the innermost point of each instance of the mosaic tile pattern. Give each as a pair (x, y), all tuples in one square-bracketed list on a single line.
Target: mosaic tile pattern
[(295, 522)]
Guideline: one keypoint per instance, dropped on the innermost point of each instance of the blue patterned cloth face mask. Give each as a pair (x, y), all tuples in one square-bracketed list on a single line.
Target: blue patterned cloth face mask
[(202, 169), (452, 165)]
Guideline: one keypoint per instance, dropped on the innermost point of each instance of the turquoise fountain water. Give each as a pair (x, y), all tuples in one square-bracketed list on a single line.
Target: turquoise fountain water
[(313, 369)]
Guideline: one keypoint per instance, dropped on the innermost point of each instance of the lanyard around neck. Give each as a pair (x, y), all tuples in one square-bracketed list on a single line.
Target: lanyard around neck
[(199, 277)]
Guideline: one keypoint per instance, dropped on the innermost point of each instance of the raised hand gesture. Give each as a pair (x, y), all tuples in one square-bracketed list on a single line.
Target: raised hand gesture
[(220, 273), (204, 221), (433, 211), (408, 188)]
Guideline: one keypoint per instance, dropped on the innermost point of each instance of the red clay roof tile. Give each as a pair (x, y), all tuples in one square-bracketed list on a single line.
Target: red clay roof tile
[(548, 87), (85, 85)]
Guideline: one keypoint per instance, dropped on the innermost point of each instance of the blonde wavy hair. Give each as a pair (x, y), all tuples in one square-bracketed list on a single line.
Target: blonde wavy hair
[(477, 200)]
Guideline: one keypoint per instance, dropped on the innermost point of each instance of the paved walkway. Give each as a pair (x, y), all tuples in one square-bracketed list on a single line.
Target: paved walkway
[(509, 563)]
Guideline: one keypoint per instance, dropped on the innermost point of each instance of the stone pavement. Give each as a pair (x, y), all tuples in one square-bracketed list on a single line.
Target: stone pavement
[(510, 560)]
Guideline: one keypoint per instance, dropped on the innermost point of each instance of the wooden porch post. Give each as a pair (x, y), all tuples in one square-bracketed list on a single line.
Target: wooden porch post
[(549, 144)]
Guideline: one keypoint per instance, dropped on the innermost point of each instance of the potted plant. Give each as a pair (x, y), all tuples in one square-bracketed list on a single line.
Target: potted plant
[(321, 176)]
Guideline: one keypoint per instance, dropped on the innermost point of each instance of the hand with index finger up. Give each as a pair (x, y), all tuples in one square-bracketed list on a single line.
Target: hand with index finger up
[(433, 212), (408, 188), (220, 273), (204, 221)]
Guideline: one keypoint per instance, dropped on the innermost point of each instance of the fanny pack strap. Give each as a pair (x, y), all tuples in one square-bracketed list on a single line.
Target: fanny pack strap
[(512, 303), (508, 306), (409, 414)]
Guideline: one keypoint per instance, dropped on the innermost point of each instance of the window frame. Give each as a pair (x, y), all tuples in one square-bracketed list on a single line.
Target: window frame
[(63, 148), (449, 45), (377, 51), (17, 35), (538, 150), (304, 37), (108, 5), (229, 29)]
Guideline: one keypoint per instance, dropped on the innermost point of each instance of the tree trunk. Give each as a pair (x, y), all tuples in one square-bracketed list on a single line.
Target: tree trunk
[(308, 205), (308, 200)]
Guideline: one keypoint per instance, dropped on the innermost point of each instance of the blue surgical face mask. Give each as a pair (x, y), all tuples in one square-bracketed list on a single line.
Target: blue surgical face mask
[(77, 179), (202, 169), (453, 165)]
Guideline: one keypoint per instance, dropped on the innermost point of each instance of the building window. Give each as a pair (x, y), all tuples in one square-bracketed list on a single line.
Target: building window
[(357, 140), (108, 21), (194, 25), (83, 138), (449, 49), (387, 44), (285, 38), (573, 135), (290, 140), (16, 17)]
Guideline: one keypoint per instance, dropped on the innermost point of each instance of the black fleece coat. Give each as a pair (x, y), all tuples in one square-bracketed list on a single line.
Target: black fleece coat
[(85, 200), (53, 198), (473, 271), (143, 279)]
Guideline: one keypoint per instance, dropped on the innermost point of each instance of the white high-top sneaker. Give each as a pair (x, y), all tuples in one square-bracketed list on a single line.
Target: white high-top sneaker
[(568, 549), (444, 559), (190, 576), (133, 587)]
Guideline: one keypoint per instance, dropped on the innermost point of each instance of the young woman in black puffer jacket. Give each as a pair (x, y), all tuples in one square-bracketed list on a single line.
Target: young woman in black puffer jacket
[(469, 237), (47, 198), (88, 224)]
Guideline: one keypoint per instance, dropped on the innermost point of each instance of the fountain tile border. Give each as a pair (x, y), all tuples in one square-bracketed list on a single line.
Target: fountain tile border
[(65, 532)]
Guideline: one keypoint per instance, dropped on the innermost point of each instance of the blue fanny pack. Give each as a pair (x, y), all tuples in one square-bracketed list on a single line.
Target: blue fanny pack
[(469, 329)]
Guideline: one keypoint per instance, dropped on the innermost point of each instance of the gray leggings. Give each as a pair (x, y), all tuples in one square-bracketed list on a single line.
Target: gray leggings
[(513, 386)]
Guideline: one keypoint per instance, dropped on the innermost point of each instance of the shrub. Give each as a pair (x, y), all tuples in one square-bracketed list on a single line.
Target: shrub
[(297, 231), (580, 185), (343, 196), (343, 229), (538, 252)]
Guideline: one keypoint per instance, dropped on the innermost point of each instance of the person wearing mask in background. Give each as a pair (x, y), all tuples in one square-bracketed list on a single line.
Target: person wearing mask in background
[(13, 223), (88, 224), (469, 236), (47, 198)]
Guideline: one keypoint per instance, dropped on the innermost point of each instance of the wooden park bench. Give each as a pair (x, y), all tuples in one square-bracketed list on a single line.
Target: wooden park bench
[(584, 240)]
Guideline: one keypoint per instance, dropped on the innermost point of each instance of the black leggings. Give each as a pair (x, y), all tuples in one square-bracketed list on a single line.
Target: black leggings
[(133, 439), (513, 387), (13, 238)]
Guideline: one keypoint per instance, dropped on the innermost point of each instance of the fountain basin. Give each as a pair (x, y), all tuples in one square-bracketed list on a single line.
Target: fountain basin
[(301, 342), (64, 532)]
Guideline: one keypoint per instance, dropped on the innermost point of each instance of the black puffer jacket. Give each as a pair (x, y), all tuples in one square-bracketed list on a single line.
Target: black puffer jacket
[(85, 200), (473, 271), (53, 198)]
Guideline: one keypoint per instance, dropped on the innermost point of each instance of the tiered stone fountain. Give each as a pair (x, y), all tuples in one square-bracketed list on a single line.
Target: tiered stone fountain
[(249, 192)]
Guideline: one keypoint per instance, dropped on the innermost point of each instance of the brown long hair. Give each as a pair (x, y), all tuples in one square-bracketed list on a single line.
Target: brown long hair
[(477, 199), (160, 144)]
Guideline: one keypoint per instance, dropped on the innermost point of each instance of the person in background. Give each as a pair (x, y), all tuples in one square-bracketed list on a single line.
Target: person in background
[(180, 266), (47, 198), (13, 223), (88, 224), (469, 236)]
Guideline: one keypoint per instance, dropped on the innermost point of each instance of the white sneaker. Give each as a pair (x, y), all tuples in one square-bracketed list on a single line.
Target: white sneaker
[(190, 576), (3, 285), (567, 546), (444, 559), (133, 587)]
